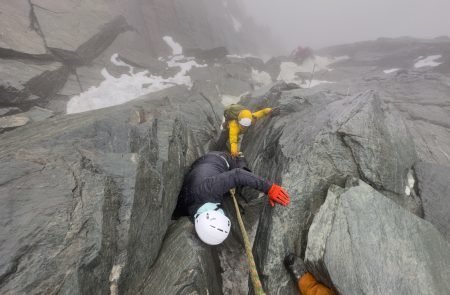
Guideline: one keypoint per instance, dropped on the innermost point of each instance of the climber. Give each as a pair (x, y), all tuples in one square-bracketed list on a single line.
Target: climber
[(208, 180), (237, 121), (306, 283)]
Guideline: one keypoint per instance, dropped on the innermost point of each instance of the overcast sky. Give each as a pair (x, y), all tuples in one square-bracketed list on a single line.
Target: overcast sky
[(319, 23)]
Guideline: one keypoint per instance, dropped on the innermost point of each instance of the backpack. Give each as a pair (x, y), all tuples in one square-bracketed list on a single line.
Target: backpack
[(231, 112)]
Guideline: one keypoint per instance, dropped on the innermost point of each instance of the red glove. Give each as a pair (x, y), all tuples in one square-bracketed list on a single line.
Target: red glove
[(279, 195)]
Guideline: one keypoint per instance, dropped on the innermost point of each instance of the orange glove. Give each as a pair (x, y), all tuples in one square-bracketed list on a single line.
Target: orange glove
[(279, 195)]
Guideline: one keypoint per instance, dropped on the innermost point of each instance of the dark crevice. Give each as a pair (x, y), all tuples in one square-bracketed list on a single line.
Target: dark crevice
[(343, 136), (34, 58), (34, 23), (78, 80), (98, 43), (49, 10)]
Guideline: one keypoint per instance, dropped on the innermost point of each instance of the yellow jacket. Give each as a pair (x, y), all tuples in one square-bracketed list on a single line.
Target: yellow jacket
[(235, 129)]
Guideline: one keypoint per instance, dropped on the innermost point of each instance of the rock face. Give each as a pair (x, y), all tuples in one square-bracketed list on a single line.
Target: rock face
[(367, 245), (434, 188), (308, 148), (87, 196), (419, 89), (86, 199), (17, 34), (184, 266), (53, 50)]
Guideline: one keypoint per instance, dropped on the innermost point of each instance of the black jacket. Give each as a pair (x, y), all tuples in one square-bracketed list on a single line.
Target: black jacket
[(210, 178)]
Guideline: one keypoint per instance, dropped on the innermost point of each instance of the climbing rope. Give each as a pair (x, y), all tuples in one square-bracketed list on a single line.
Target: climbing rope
[(248, 250)]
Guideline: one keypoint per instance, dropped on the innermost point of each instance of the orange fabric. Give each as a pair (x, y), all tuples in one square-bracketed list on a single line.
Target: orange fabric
[(308, 285)]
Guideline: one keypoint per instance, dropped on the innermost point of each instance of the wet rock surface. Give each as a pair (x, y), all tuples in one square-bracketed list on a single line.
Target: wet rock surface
[(307, 149), (361, 242), (95, 191), (184, 266), (86, 199), (434, 187)]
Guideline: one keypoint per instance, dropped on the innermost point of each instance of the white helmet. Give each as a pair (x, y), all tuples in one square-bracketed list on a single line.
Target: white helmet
[(212, 227)]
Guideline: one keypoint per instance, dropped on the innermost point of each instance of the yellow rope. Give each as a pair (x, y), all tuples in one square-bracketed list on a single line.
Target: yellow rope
[(248, 250)]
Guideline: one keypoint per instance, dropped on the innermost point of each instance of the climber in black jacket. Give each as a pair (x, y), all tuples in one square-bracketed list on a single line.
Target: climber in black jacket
[(209, 179)]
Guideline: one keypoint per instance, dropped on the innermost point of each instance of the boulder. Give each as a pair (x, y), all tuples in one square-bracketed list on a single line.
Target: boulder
[(305, 149), (35, 114), (433, 184), (381, 145), (361, 242), (184, 266), (13, 121), (90, 195)]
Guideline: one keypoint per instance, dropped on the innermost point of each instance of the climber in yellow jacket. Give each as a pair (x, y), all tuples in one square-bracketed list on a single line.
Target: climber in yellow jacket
[(237, 121), (306, 282)]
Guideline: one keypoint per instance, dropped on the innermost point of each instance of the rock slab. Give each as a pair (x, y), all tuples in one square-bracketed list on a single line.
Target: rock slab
[(434, 190), (363, 243)]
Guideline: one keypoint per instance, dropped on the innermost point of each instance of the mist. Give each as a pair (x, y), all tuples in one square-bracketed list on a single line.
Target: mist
[(322, 23)]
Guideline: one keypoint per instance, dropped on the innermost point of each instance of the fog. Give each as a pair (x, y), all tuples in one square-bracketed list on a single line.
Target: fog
[(319, 23)]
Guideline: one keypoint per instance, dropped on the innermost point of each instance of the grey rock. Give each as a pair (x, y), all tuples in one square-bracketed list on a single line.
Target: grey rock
[(37, 114), (305, 151), (19, 80), (433, 184), (66, 25), (87, 195), (9, 111), (17, 32), (13, 121), (184, 266), (207, 55), (273, 66), (228, 79), (383, 163), (363, 243)]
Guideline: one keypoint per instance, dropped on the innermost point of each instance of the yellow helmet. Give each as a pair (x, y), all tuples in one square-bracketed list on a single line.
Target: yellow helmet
[(245, 118)]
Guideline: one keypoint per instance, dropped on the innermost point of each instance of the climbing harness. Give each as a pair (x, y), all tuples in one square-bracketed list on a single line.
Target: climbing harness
[(257, 286)]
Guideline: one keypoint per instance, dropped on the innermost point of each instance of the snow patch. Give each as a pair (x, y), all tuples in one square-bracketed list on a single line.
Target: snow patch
[(289, 70), (407, 191), (428, 61), (261, 78), (411, 181), (236, 24), (114, 91), (229, 99), (176, 47), (114, 278), (390, 71), (242, 56)]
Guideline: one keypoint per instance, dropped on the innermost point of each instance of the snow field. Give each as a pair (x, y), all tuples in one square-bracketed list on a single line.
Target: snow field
[(114, 91)]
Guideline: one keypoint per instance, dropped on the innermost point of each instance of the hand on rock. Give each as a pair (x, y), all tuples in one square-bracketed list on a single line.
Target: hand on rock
[(279, 195)]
